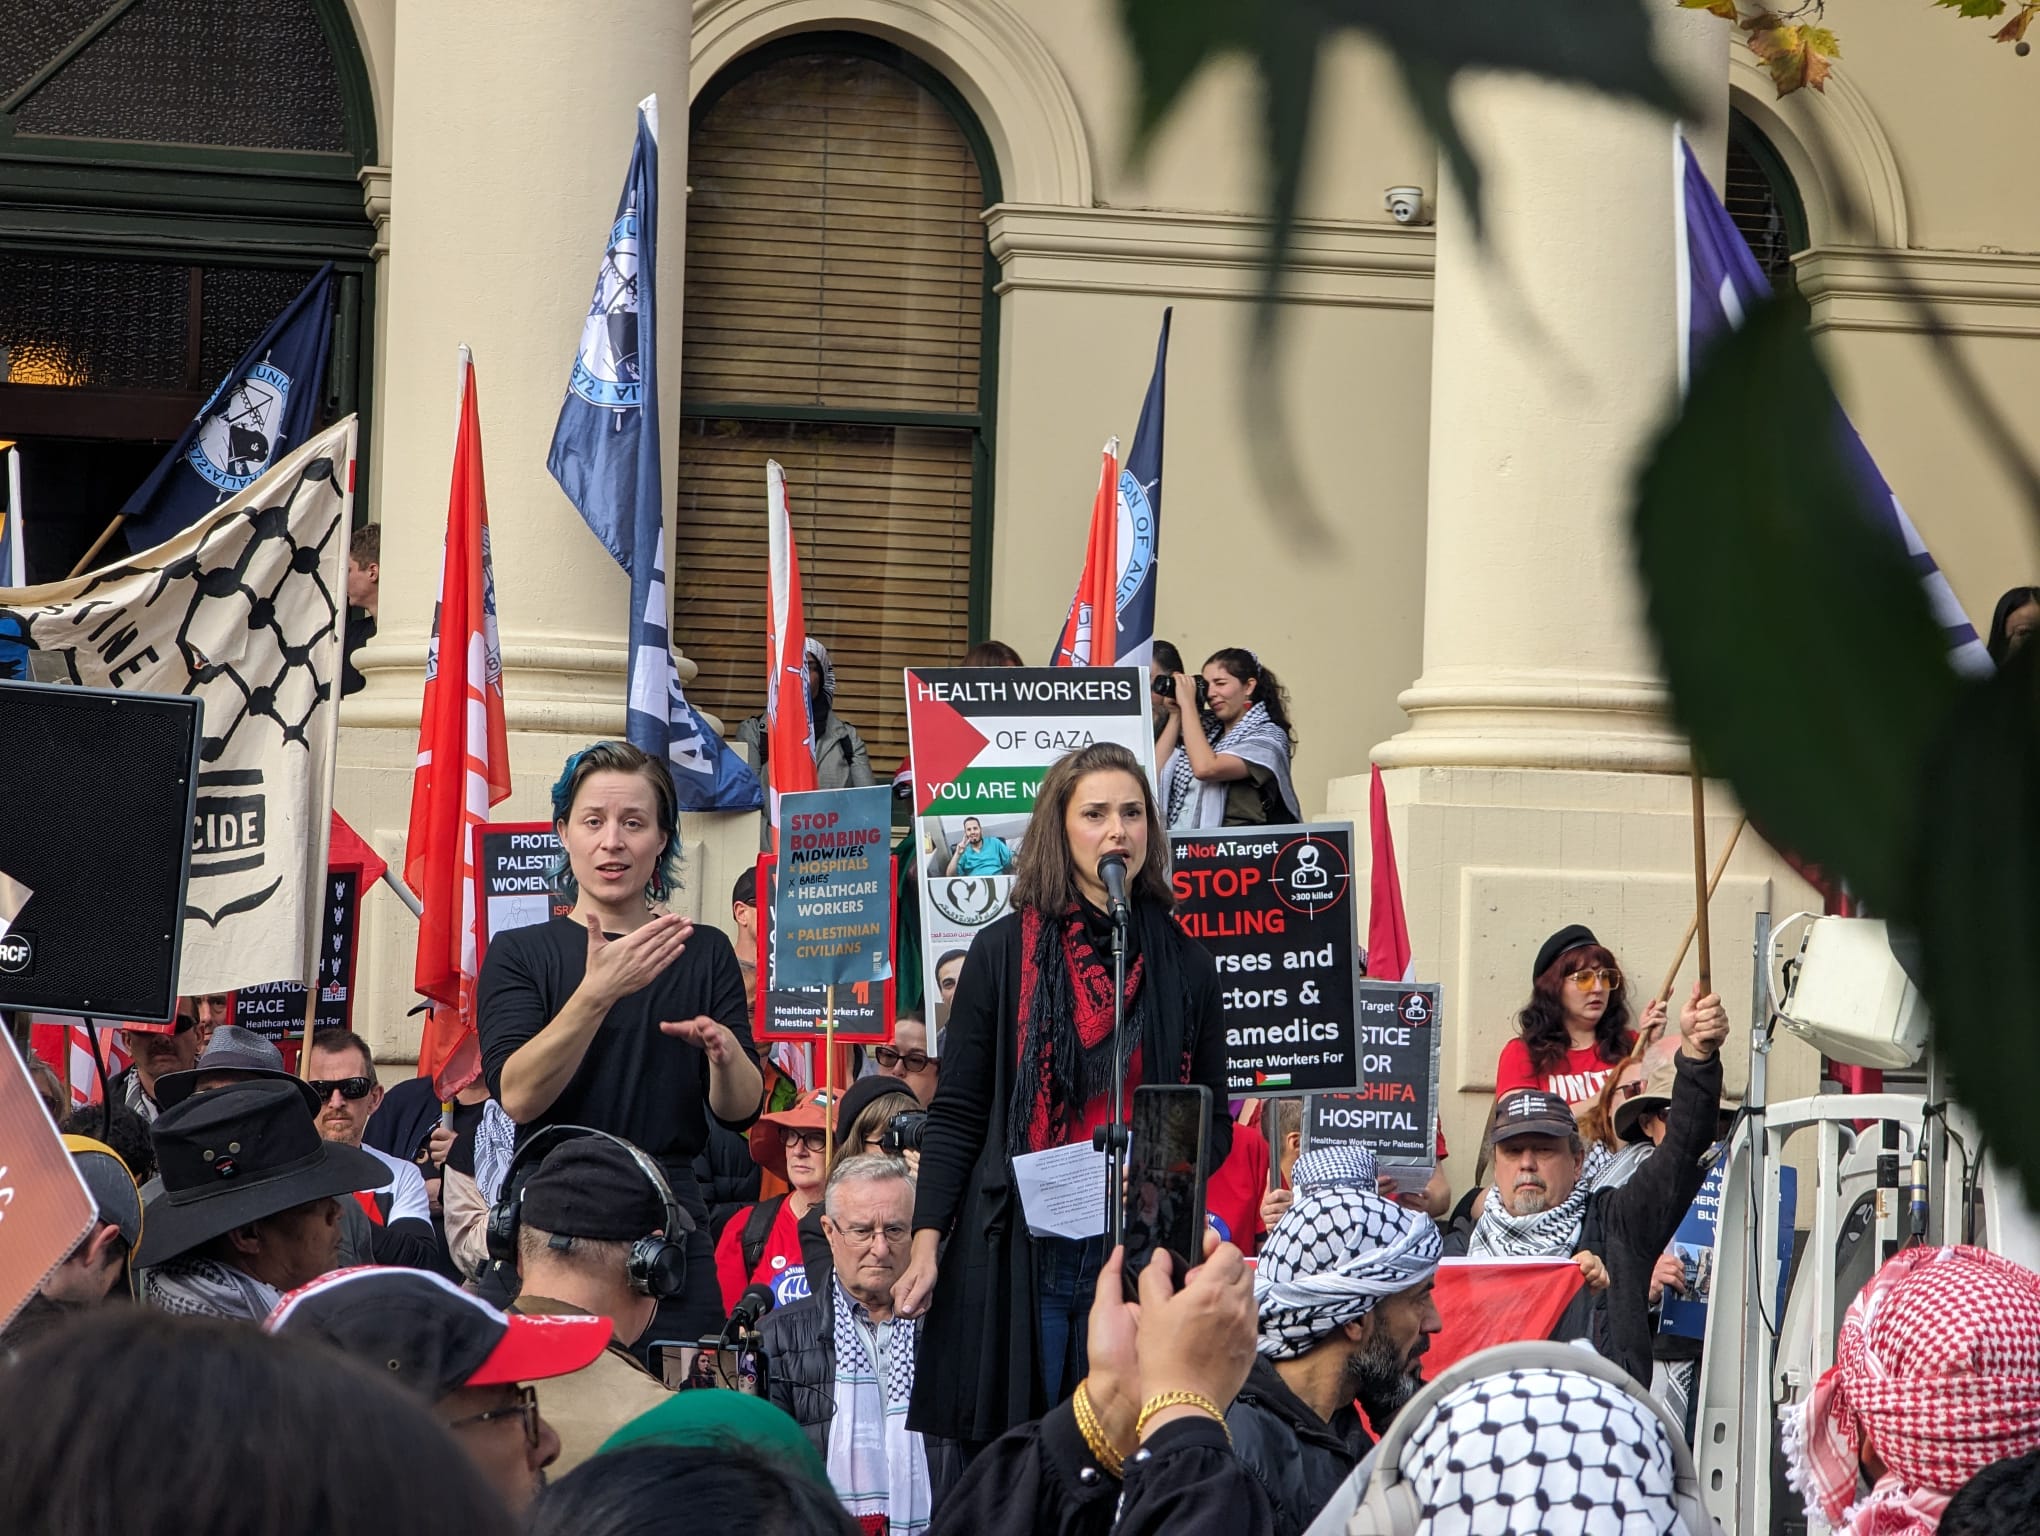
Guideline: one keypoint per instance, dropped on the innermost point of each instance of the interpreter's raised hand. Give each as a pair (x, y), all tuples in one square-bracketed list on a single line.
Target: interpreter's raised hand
[(1703, 1023), (1669, 1273), (713, 1038), (1199, 1339), (1113, 1384), (620, 966), (1595, 1271), (915, 1287), (1273, 1204)]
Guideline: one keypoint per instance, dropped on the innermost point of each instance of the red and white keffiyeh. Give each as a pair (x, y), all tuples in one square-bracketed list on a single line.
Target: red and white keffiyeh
[(1937, 1369)]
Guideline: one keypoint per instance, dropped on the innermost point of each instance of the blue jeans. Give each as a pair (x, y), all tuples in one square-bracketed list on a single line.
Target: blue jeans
[(1066, 1278)]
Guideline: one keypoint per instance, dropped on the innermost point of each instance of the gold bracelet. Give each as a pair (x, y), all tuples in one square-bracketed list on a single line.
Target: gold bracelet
[(1197, 1400), (1093, 1430)]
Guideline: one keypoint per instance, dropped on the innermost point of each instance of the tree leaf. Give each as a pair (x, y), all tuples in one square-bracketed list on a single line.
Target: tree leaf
[(1974, 7), (1804, 662), (1792, 53), (2014, 31), (1727, 11), (1979, 907)]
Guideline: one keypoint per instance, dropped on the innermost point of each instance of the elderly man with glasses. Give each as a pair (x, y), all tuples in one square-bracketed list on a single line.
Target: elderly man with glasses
[(343, 1077), (842, 1361)]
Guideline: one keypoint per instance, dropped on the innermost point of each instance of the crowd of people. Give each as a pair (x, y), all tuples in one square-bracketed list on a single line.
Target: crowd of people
[(634, 1275)]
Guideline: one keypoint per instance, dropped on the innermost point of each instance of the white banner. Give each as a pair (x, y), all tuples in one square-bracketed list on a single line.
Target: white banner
[(247, 610)]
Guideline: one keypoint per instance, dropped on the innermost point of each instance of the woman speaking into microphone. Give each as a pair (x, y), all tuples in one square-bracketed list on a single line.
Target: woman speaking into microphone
[(1027, 1066)]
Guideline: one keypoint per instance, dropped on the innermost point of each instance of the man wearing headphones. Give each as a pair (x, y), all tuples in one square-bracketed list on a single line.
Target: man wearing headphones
[(588, 1220)]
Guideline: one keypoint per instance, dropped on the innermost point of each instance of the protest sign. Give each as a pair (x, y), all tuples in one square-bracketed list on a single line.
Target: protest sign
[(981, 740), (1686, 1316), (1395, 1110), (864, 1009), (514, 864), (832, 901), (1275, 907), (276, 1010), (45, 1208)]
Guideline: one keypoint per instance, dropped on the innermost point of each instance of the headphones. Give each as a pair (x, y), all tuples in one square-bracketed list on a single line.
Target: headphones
[(658, 1264), (1388, 1506)]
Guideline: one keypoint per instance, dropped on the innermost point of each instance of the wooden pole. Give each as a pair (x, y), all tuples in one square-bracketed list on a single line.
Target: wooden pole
[(304, 1066), (1700, 887), (1664, 992), (85, 560), (829, 1079)]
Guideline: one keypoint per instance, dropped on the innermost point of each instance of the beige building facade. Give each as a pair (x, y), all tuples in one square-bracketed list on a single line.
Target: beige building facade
[(1442, 581)]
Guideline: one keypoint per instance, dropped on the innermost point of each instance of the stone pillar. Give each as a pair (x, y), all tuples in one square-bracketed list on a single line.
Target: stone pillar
[(1540, 781), (512, 128)]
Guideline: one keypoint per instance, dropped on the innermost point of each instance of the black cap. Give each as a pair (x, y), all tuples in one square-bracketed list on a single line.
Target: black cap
[(592, 1188), (1572, 936), (1532, 1112), (861, 1093)]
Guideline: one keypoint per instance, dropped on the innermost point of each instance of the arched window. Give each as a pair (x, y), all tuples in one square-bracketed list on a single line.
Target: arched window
[(838, 300), (172, 172), (1763, 201)]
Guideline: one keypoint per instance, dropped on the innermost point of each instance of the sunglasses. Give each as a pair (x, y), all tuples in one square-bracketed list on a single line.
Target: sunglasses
[(814, 1141), (913, 1061), (349, 1088), (526, 1407), (1603, 976)]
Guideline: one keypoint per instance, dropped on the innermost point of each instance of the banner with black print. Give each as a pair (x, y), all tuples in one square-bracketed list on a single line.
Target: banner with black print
[(276, 1010)]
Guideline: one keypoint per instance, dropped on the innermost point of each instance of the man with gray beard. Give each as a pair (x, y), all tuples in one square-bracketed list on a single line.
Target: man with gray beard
[(1343, 1290)]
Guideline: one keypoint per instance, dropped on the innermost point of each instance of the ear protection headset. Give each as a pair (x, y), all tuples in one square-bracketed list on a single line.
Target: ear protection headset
[(658, 1264), (1388, 1506)]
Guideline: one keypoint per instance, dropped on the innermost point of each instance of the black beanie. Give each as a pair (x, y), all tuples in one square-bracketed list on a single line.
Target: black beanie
[(1571, 936), (592, 1188)]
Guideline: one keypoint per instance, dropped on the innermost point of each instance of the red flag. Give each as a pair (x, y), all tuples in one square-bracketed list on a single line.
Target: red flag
[(790, 725), (1485, 1302), (463, 750), (348, 849), (1090, 635), (1388, 931), (68, 1048)]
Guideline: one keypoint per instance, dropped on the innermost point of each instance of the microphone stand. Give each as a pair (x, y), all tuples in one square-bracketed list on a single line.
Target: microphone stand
[(1113, 1139)]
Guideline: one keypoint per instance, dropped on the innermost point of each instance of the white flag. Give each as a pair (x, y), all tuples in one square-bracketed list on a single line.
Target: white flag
[(246, 609)]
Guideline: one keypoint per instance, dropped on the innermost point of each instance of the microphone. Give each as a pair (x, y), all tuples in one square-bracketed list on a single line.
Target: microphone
[(756, 1301), (1112, 874)]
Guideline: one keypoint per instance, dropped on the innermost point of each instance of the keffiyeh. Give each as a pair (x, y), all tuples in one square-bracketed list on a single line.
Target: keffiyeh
[(878, 1466), (1254, 738), (1336, 1251), (1548, 1234), (1543, 1451), (1345, 1164), (187, 1286), (1938, 1368)]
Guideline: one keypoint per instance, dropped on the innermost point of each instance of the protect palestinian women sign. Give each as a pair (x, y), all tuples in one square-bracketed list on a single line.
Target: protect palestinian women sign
[(245, 610), (981, 739)]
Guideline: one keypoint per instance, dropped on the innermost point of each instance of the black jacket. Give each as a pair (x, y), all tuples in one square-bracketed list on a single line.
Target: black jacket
[(1298, 1459), (800, 1356), (979, 1342), (1041, 1480), (728, 1178)]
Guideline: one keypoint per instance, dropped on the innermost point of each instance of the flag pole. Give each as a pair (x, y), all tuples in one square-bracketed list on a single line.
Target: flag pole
[(829, 1078), (1700, 886), (1664, 992), (343, 528), (85, 560)]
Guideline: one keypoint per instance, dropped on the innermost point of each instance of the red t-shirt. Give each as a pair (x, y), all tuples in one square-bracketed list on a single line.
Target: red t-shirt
[(779, 1265), (1577, 1078), (1232, 1198)]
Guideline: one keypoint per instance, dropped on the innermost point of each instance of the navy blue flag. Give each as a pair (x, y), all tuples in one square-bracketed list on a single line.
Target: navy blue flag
[(267, 405), (1719, 282), (1140, 521), (605, 455)]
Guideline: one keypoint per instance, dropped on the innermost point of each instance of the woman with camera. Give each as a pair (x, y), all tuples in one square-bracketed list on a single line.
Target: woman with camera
[(1027, 1066), (865, 1122), (1231, 768)]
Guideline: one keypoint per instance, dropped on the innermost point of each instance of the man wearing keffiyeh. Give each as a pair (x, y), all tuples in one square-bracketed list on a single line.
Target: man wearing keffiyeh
[(1343, 1287)]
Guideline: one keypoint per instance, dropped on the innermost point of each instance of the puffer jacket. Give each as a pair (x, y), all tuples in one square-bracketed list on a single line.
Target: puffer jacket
[(1298, 1459)]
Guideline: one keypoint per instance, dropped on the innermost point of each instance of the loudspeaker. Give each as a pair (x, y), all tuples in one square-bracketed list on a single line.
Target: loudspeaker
[(97, 792)]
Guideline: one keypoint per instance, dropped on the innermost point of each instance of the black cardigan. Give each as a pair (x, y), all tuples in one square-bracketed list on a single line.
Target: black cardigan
[(979, 1374)]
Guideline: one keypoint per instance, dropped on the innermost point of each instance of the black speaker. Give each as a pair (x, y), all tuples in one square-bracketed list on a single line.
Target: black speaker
[(97, 791)]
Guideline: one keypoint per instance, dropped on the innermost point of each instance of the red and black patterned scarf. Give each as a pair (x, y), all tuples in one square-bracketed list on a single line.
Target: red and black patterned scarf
[(1066, 1057)]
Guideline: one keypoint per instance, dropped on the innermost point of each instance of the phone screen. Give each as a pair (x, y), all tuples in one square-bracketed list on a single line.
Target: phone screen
[(1165, 1178)]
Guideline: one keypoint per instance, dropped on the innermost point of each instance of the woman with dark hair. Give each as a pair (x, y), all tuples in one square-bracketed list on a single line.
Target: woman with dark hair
[(247, 1429), (1027, 1066), (622, 1015), (992, 653), (1232, 770), (2016, 617), (1575, 1030)]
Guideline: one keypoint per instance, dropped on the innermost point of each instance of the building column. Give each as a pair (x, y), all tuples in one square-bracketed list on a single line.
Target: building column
[(1540, 781), (512, 129)]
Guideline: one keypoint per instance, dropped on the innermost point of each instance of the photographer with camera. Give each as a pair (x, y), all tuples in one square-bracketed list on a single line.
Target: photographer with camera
[(1229, 767), (880, 1116)]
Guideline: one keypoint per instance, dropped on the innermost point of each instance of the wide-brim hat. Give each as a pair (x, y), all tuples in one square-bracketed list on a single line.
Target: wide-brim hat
[(236, 1155), (232, 1049), (810, 1112), (1656, 1097)]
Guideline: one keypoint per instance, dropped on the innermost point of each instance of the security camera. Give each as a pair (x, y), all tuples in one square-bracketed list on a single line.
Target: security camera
[(1405, 204)]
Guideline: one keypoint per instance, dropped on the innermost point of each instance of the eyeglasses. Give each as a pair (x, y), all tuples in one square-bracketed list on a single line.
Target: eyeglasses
[(913, 1061), (814, 1141), (1603, 976), (349, 1088), (863, 1231), (526, 1406)]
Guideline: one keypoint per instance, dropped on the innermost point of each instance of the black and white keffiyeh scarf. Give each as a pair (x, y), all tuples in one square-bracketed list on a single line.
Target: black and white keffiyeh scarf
[(1255, 738), (1542, 1452), (1336, 1251), (187, 1286), (1551, 1234)]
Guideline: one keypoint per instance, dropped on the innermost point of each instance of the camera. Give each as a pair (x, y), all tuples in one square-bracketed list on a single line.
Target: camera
[(904, 1131), (1164, 686), (1405, 204)]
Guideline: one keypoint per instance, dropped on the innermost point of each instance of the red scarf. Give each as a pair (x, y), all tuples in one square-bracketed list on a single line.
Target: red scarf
[(1065, 981)]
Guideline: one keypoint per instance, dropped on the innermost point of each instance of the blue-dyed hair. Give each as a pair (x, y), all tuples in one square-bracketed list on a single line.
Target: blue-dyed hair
[(621, 757)]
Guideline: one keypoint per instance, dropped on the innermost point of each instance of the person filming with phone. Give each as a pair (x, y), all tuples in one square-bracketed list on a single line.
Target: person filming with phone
[(1027, 1067)]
